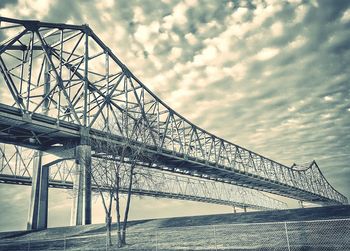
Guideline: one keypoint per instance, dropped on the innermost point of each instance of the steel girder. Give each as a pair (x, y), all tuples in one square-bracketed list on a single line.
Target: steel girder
[(90, 92), (16, 167)]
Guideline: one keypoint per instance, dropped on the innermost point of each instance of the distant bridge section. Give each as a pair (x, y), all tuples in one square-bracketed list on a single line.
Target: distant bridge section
[(16, 167)]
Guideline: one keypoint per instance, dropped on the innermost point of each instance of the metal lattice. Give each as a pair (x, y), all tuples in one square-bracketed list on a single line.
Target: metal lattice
[(16, 166)]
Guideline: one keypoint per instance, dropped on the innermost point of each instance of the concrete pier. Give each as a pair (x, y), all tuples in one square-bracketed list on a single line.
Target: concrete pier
[(81, 210), (38, 210)]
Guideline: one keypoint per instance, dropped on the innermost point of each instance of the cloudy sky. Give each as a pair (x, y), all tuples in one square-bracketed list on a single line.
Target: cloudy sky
[(272, 76)]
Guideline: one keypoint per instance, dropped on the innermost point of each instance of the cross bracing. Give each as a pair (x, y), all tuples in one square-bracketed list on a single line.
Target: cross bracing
[(62, 85)]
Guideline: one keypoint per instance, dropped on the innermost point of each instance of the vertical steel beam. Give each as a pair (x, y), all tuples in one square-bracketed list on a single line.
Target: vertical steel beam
[(86, 76), (30, 65), (60, 77), (47, 85), (38, 211), (81, 211)]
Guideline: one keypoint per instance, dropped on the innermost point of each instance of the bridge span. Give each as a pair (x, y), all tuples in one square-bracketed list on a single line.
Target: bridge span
[(63, 88), (16, 167)]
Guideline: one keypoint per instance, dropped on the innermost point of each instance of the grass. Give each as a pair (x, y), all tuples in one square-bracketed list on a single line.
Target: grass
[(200, 233)]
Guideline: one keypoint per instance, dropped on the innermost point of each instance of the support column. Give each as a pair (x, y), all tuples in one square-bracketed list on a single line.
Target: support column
[(245, 209), (81, 211), (301, 204), (38, 210)]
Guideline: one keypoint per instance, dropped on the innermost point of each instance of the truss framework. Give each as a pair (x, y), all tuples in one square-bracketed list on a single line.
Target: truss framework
[(68, 74), (16, 167)]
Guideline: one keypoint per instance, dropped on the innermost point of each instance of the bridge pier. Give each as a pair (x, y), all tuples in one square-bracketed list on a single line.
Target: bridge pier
[(301, 204), (81, 210), (38, 210)]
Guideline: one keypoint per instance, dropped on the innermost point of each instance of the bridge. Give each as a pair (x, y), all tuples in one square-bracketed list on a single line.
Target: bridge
[(63, 88), (16, 167)]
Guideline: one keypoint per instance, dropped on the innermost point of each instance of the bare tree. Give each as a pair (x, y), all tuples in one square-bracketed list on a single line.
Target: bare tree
[(136, 155), (115, 163), (103, 179), (113, 172), (106, 174)]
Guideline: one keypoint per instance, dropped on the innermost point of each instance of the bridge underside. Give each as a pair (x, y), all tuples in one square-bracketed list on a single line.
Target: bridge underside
[(26, 167), (27, 181)]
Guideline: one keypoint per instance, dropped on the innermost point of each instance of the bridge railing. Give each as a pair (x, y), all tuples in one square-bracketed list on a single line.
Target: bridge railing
[(68, 73)]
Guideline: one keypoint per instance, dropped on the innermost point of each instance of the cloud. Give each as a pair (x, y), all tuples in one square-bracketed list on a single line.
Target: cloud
[(346, 16), (267, 53), (7, 2)]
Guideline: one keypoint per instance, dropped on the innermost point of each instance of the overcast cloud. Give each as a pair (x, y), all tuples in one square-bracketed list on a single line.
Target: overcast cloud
[(272, 76)]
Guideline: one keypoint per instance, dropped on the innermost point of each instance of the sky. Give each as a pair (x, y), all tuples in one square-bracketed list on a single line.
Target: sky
[(271, 76)]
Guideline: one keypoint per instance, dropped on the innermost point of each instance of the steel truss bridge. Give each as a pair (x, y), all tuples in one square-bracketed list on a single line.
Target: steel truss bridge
[(63, 88), (16, 167)]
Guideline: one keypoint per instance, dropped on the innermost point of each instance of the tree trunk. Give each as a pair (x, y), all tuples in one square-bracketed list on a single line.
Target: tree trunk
[(127, 207), (108, 230), (108, 218), (117, 207)]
